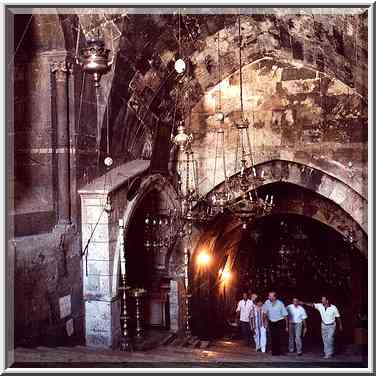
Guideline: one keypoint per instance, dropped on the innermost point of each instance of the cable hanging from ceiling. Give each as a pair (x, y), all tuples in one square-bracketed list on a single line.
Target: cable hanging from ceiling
[(219, 199)]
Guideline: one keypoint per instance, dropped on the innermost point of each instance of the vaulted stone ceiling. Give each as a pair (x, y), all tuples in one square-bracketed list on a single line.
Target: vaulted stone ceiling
[(290, 59)]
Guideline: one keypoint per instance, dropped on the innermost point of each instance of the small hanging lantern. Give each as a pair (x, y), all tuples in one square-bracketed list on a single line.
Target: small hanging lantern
[(182, 139), (108, 207)]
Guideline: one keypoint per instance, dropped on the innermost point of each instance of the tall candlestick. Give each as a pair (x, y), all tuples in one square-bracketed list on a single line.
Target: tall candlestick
[(187, 294), (125, 341)]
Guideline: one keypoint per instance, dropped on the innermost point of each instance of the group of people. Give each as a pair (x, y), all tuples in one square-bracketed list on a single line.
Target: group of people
[(258, 317)]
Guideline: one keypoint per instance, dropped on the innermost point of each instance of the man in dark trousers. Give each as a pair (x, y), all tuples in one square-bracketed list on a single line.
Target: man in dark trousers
[(277, 316), (244, 308)]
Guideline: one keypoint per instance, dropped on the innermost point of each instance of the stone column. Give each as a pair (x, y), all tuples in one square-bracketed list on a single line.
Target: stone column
[(61, 70), (100, 241)]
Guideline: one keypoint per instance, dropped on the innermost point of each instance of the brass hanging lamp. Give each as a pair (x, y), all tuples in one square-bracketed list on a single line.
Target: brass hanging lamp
[(244, 183)]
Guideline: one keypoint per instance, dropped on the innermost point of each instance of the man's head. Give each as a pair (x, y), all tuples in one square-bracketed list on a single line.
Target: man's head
[(254, 297), (245, 295), (258, 302), (295, 301), (325, 300), (272, 296)]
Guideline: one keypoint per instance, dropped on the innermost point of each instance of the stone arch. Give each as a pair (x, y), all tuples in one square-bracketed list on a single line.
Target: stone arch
[(300, 201), (317, 181), (152, 183), (148, 184)]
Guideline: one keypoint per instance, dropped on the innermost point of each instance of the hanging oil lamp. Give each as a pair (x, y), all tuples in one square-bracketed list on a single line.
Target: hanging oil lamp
[(182, 139), (95, 59)]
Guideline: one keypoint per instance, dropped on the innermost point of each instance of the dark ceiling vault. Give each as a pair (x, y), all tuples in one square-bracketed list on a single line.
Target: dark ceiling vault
[(142, 86)]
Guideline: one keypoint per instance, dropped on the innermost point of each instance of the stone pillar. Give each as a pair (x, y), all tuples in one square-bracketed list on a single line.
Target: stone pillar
[(100, 241), (61, 70)]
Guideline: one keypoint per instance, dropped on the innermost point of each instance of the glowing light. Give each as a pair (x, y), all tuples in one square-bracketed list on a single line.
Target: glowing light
[(220, 116), (225, 275), (108, 161), (203, 259), (180, 66)]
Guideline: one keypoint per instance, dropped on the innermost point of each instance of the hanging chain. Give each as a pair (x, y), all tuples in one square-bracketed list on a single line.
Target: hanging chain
[(224, 157), (98, 95), (219, 76), (179, 17), (240, 69), (108, 126), (215, 160), (237, 151), (187, 175)]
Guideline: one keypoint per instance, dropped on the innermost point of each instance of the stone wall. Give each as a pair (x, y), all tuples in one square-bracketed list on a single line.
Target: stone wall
[(48, 305), (47, 262), (295, 114)]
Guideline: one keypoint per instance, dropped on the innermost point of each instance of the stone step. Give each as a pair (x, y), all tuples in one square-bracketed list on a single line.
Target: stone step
[(196, 343), (204, 344), (168, 339)]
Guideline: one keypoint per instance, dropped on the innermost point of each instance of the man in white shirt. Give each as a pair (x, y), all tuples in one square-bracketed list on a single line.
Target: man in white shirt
[(297, 326), (244, 308), (329, 316)]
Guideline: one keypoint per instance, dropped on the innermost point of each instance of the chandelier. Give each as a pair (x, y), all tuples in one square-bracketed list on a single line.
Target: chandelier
[(194, 208), (219, 199), (158, 233), (251, 206), (245, 183)]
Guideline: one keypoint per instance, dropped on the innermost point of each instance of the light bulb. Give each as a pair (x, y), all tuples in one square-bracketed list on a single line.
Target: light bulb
[(108, 161), (180, 66), (220, 116)]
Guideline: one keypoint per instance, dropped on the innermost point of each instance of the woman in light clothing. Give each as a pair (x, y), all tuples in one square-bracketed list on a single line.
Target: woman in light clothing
[(258, 323)]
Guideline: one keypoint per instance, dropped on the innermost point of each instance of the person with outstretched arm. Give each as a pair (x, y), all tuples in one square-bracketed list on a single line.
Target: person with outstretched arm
[(330, 318)]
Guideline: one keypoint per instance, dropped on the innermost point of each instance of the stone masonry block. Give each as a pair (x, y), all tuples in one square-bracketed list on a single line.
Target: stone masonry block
[(102, 323), (339, 194), (97, 286), (326, 187), (100, 250)]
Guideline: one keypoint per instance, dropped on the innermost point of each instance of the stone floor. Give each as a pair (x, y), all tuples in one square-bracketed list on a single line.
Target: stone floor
[(222, 353)]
